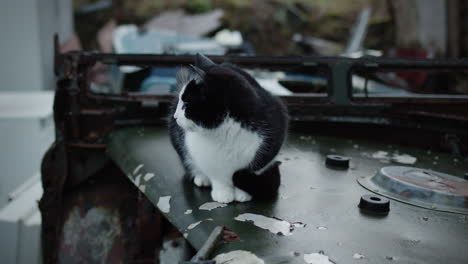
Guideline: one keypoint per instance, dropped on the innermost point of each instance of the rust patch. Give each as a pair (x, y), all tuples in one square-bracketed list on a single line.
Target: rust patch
[(229, 235)]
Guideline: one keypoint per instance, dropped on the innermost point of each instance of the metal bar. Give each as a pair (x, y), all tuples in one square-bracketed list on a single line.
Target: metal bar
[(209, 244), (339, 84), (278, 61)]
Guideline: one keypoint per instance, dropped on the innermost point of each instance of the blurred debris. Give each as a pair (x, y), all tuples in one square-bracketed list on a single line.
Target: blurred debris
[(421, 24), (270, 81), (184, 24), (226, 37), (129, 39), (359, 32), (72, 44), (94, 7), (104, 36), (317, 46)]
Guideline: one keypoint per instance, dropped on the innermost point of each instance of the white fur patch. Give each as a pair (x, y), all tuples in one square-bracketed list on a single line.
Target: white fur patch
[(179, 114), (220, 152)]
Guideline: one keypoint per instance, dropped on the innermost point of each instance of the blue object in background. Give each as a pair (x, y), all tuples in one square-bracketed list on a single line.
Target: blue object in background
[(162, 80)]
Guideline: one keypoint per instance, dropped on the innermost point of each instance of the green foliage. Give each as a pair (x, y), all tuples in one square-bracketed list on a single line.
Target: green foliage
[(198, 6)]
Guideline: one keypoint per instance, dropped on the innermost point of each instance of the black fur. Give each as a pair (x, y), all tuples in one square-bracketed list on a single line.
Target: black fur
[(218, 90)]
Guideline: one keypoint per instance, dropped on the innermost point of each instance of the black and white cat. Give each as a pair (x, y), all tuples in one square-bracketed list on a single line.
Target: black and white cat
[(223, 124)]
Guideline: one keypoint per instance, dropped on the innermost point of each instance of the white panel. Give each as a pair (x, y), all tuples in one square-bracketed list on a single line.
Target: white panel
[(29, 246), (26, 132), (20, 52), (24, 209)]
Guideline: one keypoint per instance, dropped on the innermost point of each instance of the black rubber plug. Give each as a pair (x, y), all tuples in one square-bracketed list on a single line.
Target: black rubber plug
[(337, 161), (372, 203)]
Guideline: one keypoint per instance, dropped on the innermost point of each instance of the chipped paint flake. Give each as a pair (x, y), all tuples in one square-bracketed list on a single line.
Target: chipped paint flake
[(148, 176), (380, 155), (193, 225), (299, 224), (275, 226), (138, 168), (386, 157), (404, 159), (142, 188), (164, 204), (358, 256), (211, 205), (316, 258), (185, 235), (238, 257), (188, 211)]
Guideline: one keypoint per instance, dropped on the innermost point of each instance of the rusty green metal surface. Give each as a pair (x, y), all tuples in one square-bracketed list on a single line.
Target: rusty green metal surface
[(323, 198)]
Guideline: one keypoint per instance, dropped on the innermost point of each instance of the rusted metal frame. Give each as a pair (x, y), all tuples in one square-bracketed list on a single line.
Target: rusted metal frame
[(340, 70), (54, 171), (59, 163), (339, 77), (278, 62)]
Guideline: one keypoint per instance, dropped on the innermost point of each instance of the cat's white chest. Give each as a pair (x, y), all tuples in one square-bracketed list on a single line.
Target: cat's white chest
[(227, 148)]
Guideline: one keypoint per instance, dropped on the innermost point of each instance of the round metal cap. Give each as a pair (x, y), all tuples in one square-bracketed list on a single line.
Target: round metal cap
[(421, 187), (374, 204), (337, 161)]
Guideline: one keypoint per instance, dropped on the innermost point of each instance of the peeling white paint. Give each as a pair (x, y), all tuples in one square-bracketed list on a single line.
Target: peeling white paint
[(404, 159), (99, 227), (142, 188), (316, 258), (148, 176), (358, 256), (135, 171), (188, 211), (275, 226), (299, 224), (193, 225), (185, 235), (386, 157), (238, 257), (211, 205), (137, 179), (164, 204), (380, 155)]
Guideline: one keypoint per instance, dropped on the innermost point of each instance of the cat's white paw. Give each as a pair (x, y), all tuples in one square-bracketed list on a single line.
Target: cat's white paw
[(222, 194), (241, 196), (201, 181)]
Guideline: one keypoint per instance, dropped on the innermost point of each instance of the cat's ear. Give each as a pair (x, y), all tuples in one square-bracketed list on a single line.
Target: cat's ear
[(203, 62), (201, 73)]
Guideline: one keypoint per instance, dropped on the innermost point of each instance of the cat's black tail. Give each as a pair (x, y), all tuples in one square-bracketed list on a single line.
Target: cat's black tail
[(261, 187)]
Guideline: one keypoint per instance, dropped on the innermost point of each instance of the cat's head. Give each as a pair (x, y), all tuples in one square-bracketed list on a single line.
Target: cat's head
[(204, 94)]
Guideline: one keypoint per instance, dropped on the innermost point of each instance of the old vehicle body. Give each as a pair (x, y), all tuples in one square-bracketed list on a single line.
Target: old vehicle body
[(112, 162)]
